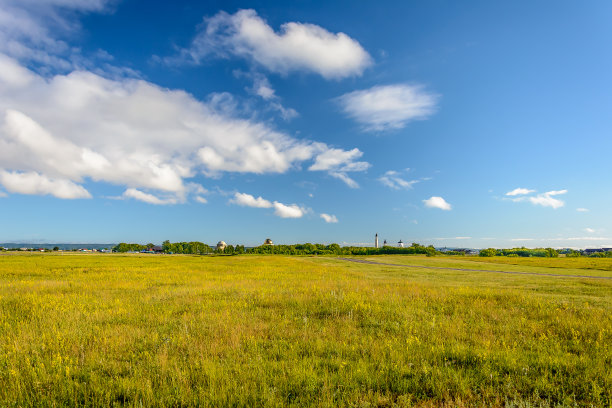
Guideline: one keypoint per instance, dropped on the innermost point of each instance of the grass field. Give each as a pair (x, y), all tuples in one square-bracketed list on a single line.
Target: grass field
[(132, 330)]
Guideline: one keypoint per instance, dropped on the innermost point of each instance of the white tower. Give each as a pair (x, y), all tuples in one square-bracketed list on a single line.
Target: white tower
[(376, 240)]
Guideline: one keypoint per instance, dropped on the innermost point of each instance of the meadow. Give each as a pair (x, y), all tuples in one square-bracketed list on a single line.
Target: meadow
[(229, 331)]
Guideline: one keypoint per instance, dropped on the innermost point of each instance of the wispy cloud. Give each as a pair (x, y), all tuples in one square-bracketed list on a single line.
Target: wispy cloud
[(296, 47), (582, 209), (280, 209), (388, 107), (147, 197), (330, 219), (547, 199), (339, 162), (393, 179), (519, 191), (437, 202), (263, 89)]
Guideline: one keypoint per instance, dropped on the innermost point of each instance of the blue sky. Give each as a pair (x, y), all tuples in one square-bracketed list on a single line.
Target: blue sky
[(469, 125)]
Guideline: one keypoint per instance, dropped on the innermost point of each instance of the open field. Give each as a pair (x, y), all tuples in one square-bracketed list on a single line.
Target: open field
[(145, 330)]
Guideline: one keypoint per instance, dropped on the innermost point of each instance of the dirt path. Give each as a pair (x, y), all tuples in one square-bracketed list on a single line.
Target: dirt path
[(475, 270)]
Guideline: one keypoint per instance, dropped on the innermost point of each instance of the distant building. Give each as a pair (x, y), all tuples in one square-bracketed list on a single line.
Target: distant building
[(268, 241), (376, 241), (400, 244), (221, 245)]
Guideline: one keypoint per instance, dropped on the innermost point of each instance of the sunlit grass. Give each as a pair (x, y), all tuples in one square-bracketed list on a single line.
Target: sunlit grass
[(104, 330)]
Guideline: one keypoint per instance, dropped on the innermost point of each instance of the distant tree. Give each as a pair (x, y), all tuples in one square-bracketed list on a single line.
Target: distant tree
[(552, 253), (488, 252), (56, 248), (334, 248)]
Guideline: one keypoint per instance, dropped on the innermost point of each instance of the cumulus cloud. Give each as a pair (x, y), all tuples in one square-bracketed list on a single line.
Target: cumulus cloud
[(437, 202), (39, 184), (388, 107), (330, 219), (519, 191), (130, 132), (247, 200), (393, 179), (296, 47), (288, 211), (280, 209), (548, 200)]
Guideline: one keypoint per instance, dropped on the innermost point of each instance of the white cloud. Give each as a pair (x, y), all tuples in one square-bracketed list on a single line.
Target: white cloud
[(388, 107), (437, 202), (582, 209), (35, 183), (31, 31), (280, 209), (345, 178), (247, 200), (519, 191), (201, 200), (330, 219), (547, 199), (262, 88), (288, 211), (338, 162), (589, 230), (132, 133), (148, 198), (393, 180), (297, 47)]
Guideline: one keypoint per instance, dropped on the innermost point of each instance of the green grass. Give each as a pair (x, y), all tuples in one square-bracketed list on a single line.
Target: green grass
[(113, 330)]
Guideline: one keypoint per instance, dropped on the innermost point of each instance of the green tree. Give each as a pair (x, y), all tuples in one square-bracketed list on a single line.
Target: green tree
[(488, 252)]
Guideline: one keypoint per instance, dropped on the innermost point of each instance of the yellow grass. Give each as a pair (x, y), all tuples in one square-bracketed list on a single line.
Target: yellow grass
[(120, 330)]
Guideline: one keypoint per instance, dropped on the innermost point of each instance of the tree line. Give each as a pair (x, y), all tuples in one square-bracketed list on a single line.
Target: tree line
[(199, 248), (521, 252)]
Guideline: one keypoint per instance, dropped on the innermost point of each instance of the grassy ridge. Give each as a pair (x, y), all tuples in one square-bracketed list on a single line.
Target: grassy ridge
[(104, 330)]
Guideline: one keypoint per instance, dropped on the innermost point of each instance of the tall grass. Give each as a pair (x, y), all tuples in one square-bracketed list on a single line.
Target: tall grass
[(111, 330)]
